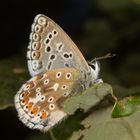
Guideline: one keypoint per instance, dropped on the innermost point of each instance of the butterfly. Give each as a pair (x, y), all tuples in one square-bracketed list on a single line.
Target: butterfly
[(58, 70)]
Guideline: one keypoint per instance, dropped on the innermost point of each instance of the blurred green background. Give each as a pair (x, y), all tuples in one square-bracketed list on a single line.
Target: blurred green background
[(96, 26)]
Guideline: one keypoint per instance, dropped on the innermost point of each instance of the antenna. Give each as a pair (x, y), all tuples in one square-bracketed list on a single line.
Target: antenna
[(109, 55)]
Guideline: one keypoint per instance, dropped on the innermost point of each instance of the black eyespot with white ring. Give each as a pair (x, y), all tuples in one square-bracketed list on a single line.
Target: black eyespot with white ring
[(38, 89), (50, 99), (58, 74), (52, 57), (39, 114), (25, 108), (65, 94), (31, 114), (38, 94), (42, 99), (68, 75), (50, 36), (63, 87), (46, 81), (51, 106), (48, 49), (55, 32), (22, 102), (46, 41), (21, 96)]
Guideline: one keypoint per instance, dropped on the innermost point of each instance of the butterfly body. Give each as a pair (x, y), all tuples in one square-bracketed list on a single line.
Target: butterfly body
[(58, 71)]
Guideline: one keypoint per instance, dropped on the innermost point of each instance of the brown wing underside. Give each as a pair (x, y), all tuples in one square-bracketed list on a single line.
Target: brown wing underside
[(51, 48)]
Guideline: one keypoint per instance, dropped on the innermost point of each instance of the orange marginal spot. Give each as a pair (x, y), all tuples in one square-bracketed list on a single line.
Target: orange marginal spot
[(25, 100), (44, 115), (36, 45), (30, 105), (35, 110), (31, 84), (36, 55), (38, 77), (25, 94)]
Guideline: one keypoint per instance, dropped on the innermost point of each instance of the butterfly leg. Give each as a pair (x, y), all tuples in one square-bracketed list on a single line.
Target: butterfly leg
[(97, 81)]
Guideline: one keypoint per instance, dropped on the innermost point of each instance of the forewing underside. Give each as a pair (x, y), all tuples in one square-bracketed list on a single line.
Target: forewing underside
[(51, 48)]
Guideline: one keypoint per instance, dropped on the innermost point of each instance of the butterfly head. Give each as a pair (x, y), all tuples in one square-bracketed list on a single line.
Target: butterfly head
[(95, 69)]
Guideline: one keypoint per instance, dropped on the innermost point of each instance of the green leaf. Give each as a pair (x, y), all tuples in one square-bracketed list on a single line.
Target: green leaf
[(126, 107), (100, 126), (88, 99), (12, 76)]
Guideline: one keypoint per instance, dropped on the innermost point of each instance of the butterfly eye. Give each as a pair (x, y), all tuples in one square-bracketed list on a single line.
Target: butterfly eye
[(50, 99), (51, 106), (93, 66), (68, 75)]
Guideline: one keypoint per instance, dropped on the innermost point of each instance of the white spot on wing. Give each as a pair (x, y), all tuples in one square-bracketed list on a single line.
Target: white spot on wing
[(63, 87), (59, 46), (50, 99), (55, 87), (41, 20), (51, 106), (46, 81), (68, 75), (58, 74)]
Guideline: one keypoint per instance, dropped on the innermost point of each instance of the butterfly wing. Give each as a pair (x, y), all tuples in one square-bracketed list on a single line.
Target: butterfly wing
[(51, 48), (39, 101)]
